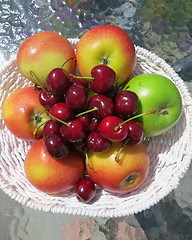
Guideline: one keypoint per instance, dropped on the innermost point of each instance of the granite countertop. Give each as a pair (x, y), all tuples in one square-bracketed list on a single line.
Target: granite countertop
[(163, 27)]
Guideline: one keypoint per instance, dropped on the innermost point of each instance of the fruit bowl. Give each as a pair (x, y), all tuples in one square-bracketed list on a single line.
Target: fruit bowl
[(170, 155)]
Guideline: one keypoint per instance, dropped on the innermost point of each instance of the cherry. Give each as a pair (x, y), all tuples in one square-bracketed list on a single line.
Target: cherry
[(86, 119), (79, 81), (58, 81), (102, 104), (56, 145), (76, 97), (51, 127), (85, 190), (103, 79), (61, 111), (47, 100), (112, 94), (135, 132), (96, 142), (126, 104), (111, 129), (94, 124), (74, 132)]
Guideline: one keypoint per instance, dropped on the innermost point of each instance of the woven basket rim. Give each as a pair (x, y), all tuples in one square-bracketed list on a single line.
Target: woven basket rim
[(46, 203)]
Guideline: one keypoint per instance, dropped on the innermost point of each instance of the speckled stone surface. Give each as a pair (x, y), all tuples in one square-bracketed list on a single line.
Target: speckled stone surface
[(161, 26)]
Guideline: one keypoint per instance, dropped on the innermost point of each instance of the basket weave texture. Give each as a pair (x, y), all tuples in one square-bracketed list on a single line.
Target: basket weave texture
[(170, 155)]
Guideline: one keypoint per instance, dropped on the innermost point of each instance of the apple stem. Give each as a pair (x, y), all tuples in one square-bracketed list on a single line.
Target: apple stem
[(136, 116), (119, 152), (37, 80), (59, 120), (80, 77), (37, 128), (68, 61), (88, 111)]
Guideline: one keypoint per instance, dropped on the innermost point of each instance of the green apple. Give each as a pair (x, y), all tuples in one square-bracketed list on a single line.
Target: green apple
[(109, 45), (156, 92)]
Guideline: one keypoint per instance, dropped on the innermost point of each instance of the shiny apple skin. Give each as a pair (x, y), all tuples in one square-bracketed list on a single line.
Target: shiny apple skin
[(22, 113), (110, 45), (42, 52), (51, 175), (110, 175)]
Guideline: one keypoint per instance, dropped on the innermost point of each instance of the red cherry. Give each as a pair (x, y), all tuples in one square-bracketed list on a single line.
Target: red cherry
[(103, 79), (104, 105), (74, 132), (47, 100), (135, 132), (96, 142), (61, 111), (56, 145), (85, 190), (111, 129), (126, 104), (76, 97), (50, 127), (58, 81)]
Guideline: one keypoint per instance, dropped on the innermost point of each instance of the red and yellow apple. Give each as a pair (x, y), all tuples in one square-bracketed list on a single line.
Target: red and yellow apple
[(22, 113), (41, 53), (51, 175), (109, 45), (123, 176)]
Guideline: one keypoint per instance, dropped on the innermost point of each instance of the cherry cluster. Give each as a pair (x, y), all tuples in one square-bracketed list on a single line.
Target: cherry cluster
[(87, 113)]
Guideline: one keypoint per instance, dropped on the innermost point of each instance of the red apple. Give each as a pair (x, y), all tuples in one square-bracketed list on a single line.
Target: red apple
[(123, 176), (51, 175), (42, 52), (22, 113), (109, 45)]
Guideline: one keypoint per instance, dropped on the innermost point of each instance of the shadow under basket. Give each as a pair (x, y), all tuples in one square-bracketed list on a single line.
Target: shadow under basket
[(170, 155)]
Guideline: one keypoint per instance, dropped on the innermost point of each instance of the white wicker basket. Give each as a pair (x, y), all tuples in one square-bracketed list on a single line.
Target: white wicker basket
[(170, 155)]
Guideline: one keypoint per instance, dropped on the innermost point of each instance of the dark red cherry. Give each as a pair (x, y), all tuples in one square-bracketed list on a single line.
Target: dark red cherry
[(126, 104), (76, 97), (56, 145), (85, 190), (94, 124), (135, 132), (103, 79), (111, 129), (74, 132), (61, 111), (96, 142), (103, 104), (79, 81), (47, 100), (58, 81), (51, 127), (86, 119)]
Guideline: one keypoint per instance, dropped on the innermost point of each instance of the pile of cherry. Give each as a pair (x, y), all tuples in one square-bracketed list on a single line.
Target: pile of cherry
[(87, 114)]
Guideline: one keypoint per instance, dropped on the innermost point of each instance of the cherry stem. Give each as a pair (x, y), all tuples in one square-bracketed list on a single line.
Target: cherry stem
[(120, 150), (136, 116), (88, 111), (37, 128), (68, 61), (37, 80), (59, 120), (80, 77)]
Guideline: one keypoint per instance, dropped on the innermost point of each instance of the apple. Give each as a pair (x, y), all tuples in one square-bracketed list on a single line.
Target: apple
[(123, 176), (51, 175), (22, 113), (42, 52), (156, 92), (109, 45)]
